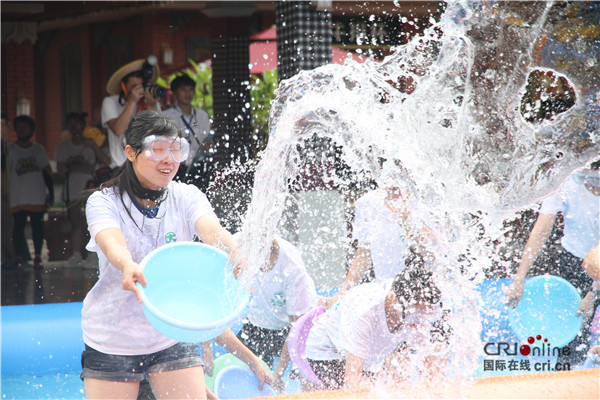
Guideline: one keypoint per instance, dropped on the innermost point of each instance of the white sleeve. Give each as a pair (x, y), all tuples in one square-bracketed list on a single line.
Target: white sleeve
[(553, 204), (109, 110), (195, 204), (102, 213)]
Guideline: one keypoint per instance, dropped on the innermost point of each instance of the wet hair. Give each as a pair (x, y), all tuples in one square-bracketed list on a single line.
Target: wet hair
[(415, 283), (26, 119), (76, 116), (142, 125), (182, 80)]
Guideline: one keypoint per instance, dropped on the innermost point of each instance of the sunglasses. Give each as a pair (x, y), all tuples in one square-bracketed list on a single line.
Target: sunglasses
[(158, 148)]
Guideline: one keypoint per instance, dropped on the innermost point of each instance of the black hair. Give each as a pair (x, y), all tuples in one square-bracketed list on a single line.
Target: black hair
[(76, 116), (4, 116), (415, 283), (26, 119), (595, 165), (182, 80), (142, 125)]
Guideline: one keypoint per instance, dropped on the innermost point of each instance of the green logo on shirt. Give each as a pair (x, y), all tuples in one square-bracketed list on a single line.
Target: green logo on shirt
[(170, 237), (279, 300)]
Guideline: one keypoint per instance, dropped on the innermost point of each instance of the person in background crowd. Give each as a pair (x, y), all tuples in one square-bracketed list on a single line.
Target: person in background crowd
[(195, 125), (127, 97), (8, 251), (76, 159), (31, 189)]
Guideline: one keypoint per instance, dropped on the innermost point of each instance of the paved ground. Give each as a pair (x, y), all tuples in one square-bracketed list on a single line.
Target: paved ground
[(56, 283)]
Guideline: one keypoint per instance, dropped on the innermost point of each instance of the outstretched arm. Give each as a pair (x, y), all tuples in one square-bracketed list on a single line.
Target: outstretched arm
[(539, 234), (113, 245)]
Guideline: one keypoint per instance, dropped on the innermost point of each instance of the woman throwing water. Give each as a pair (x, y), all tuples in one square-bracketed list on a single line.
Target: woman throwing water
[(140, 209)]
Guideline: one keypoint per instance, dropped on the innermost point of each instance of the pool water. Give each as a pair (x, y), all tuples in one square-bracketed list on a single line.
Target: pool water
[(52, 386)]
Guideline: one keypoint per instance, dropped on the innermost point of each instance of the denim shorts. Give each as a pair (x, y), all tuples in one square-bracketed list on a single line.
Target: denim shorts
[(118, 368)]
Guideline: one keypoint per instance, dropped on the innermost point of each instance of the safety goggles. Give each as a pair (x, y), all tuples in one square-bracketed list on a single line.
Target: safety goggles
[(158, 148)]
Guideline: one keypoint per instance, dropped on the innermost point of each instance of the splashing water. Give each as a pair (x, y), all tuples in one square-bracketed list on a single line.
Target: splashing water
[(458, 141)]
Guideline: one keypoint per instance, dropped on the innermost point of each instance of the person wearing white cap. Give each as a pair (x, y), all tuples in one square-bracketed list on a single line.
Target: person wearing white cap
[(127, 96)]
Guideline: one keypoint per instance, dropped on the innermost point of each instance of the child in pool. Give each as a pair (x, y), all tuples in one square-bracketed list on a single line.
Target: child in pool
[(369, 322), (138, 210), (282, 292)]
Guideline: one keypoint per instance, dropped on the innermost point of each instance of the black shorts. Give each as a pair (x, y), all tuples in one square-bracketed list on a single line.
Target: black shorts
[(118, 368)]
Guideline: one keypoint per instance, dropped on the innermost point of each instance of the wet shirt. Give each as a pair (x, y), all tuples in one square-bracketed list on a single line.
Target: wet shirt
[(357, 324), (581, 214), (113, 321), (377, 228), (25, 176), (285, 290), (74, 154)]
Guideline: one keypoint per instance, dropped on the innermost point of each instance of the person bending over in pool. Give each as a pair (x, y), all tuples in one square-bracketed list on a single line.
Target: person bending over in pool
[(382, 231), (281, 293), (369, 323), (141, 209), (578, 199)]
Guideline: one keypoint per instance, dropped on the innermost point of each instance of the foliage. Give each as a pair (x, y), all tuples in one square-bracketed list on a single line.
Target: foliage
[(262, 91)]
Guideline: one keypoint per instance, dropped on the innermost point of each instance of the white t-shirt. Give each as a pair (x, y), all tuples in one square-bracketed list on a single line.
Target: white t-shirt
[(357, 324), (113, 321), (285, 290), (67, 152), (377, 228), (25, 176), (200, 125), (111, 109), (581, 213)]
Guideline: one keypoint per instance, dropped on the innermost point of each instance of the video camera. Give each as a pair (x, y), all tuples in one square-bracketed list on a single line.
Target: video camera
[(147, 72)]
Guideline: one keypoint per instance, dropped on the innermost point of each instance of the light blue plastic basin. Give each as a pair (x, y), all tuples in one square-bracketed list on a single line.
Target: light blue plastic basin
[(191, 294), (548, 308)]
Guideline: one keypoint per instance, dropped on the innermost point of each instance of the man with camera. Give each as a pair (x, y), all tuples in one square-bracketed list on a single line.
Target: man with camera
[(130, 90)]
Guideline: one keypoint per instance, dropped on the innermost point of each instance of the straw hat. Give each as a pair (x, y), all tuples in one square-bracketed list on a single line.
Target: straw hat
[(114, 82)]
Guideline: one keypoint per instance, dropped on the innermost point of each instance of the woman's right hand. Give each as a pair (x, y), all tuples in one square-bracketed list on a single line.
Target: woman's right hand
[(132, 273), (514, 292)]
